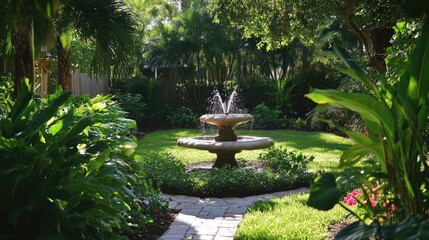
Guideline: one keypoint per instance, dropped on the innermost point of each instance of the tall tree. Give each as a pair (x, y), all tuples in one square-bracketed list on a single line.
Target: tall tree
[(279, 22), (108, 23), (17, 27)]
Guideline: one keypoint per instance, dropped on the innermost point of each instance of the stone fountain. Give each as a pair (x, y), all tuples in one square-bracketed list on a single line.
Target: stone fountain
[(226, 143)]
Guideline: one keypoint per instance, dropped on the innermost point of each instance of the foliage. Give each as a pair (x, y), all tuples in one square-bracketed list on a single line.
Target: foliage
[(280, 159), (67, 170), (141, 97), (266, 118), (344, 117), (6, 91), (282, 95), (133, 104), (183, 117), (172, 178), (403, 42), (295, 123), (279, 23), (255, 90), (395, 117)]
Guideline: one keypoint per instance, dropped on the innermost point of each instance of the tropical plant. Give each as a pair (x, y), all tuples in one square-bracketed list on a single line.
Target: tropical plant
[(17, 30), (282, 95), (266, 118), (395, 117), (108, 23), (66, 171)]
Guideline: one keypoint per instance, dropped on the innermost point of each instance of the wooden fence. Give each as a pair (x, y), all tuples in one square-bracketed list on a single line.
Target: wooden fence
[(92, 85)]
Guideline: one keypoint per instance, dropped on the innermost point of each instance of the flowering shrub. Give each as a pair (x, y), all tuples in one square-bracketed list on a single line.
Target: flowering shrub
[(372, 202)]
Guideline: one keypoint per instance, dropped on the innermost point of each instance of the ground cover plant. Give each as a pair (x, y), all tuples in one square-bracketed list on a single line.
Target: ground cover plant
[(172, 178)]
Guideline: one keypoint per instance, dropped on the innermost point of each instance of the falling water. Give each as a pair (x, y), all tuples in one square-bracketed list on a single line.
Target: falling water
[(220, 102), (218, 106), (230, 101)]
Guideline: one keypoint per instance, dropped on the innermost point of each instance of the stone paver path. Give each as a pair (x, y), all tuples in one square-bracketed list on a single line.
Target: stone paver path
[(211, 218)]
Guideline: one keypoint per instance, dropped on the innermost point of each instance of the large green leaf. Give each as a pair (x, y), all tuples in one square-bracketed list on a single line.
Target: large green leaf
[(353, 69), (324, 193), (369, 108), (357, 231), (41, 117), (414, 82), (415, 227), (23, 100)]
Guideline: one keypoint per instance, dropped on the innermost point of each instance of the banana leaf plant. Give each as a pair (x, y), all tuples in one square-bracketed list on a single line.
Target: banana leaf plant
[(396, 119)]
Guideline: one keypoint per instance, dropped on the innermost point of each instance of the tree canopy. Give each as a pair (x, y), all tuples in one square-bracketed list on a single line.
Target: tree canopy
[(279, 22)]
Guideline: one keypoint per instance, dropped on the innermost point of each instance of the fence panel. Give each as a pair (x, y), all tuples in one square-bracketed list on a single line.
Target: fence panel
[(92, 85)]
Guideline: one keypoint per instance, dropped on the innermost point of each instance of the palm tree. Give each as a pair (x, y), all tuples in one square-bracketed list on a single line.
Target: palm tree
[(17, 29), (108, 23)]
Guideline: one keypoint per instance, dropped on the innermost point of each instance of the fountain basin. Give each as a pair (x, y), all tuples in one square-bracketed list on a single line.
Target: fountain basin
[(226, 120), (242, 143)]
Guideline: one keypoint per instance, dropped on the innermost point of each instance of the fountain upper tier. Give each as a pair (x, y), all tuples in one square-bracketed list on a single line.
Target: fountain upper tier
[(226, 120)]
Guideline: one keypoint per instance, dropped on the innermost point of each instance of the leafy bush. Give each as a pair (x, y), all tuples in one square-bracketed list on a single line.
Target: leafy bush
[(67, 170), (280, 159), (141, 97), (133, 104), (255, 90), (6, 91), (298, 123), (266, 118), (172, 178), (183, 117)]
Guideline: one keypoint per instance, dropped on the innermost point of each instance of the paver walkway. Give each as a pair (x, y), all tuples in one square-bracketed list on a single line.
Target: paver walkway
[(211, 218)]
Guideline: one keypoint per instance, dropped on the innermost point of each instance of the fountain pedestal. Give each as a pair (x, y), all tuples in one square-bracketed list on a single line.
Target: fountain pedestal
[(225, 158), (225, 134)]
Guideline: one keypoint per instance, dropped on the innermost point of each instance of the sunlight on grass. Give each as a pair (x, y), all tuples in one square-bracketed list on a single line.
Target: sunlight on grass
[(325, 147), (287, 218)]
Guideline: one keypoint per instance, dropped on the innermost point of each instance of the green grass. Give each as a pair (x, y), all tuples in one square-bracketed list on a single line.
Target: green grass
[(324, 146), (287, 218)]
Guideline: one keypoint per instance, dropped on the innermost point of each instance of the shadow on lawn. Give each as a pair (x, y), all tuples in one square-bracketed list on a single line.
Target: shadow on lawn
[(165, 139)]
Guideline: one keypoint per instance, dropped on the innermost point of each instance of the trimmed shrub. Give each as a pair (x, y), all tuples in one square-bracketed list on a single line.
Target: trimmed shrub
[(170, 175)]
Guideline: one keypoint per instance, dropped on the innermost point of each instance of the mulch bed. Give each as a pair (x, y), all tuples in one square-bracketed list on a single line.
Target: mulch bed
[(335, 228), (161, 222)]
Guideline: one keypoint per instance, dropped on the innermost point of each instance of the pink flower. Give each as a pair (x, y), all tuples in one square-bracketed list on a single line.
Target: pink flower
[(373, 200), (350, 200), (356, 193)]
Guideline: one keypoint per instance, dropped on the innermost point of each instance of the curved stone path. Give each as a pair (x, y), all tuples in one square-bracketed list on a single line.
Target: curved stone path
[(212, 218)]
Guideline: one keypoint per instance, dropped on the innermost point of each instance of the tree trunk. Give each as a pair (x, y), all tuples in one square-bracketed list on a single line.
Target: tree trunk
[(64, 66), (379, 40), (23, 41)]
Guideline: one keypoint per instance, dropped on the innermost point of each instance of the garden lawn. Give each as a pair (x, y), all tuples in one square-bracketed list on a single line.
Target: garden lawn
[(287, 218), (326, 147)]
